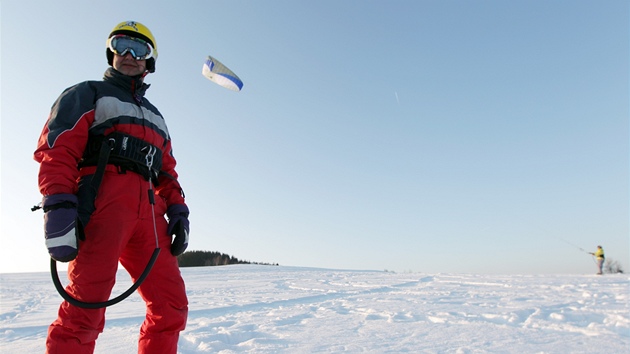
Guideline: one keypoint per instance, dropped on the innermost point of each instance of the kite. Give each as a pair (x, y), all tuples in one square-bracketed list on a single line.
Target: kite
[(218, 73)]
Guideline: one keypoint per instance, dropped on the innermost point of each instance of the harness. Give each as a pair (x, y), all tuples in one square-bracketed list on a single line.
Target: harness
[(124, 151)]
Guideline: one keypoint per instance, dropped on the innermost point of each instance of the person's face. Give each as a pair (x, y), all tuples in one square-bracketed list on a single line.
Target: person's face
[(127, 65)]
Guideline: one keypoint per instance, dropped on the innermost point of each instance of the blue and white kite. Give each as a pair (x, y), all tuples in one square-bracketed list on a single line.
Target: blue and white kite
[(221, 75)]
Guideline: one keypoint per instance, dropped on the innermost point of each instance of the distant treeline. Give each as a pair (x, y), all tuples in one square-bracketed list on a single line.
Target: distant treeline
[(207, 258)]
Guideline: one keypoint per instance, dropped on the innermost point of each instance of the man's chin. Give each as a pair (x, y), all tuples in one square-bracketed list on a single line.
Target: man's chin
[(130, 71)]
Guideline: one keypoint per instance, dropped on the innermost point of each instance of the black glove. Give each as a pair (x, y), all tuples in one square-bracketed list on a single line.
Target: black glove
[(61, 226), (179, 226)]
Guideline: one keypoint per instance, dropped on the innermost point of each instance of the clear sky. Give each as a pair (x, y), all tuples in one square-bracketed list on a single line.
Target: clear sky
[(427, 136)]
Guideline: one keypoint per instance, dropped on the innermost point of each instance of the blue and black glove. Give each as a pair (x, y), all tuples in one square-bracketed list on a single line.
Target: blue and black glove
[(61, 226), (179, 226)]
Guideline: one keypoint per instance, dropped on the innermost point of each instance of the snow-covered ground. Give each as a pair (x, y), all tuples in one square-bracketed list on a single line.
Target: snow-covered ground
[(267, 309)]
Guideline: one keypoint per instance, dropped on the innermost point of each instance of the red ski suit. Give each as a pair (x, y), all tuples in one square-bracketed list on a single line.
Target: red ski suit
[(121, 226)]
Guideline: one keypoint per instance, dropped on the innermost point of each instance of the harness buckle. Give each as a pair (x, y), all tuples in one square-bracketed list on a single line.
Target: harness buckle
[(149, 154)]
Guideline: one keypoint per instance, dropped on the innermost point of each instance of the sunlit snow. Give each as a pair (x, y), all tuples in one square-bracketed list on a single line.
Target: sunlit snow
[(271, 309)]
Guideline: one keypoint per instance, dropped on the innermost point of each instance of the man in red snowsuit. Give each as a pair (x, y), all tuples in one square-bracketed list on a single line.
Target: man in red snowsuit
[(108, 178)]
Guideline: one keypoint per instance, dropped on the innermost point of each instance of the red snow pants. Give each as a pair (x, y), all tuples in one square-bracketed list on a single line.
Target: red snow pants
[(121, 230)]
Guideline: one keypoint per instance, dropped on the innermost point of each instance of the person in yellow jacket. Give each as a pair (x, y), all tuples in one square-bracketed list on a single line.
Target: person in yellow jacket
[(599, 254)]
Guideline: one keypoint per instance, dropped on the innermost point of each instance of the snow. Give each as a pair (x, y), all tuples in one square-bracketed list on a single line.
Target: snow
[(277, 309)]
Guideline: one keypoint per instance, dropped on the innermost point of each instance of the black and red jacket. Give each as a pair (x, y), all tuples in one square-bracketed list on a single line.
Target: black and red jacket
[(93, 109)]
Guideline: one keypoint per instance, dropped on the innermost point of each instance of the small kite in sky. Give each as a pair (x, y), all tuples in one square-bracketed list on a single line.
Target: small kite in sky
[(221, 75)]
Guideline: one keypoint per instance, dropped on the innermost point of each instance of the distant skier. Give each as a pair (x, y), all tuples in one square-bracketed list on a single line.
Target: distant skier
[(599, 254)]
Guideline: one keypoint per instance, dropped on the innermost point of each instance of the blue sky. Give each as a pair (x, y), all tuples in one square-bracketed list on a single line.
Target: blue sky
[(426, 136)]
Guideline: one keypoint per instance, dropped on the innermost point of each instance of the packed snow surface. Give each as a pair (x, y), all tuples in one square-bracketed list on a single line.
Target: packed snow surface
[(276, 309)]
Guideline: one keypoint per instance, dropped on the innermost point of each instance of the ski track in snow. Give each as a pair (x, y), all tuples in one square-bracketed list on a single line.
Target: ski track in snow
[(266, 309)]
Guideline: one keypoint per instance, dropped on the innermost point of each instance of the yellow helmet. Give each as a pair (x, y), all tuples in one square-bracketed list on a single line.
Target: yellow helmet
[(138, 30)]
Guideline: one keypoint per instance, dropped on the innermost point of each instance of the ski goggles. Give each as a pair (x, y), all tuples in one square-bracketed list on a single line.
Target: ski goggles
[(122, 44)]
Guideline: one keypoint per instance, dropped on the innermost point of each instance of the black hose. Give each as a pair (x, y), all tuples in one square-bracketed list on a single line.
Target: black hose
[(98, 305)]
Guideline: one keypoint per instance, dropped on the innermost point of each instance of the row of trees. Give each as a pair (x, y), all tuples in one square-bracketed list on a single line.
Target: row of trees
[(207, 258)]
